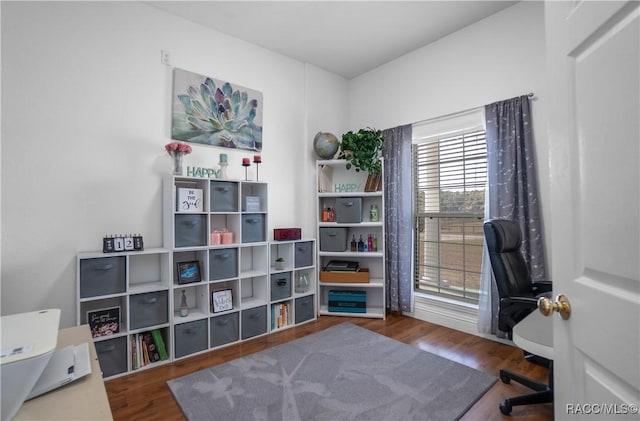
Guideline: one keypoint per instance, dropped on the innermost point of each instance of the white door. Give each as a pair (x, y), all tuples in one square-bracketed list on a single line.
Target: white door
[(593, 57)]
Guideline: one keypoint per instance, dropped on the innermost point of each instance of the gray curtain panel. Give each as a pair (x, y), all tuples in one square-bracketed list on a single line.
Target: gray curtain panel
[(398, 217), (513, 186)]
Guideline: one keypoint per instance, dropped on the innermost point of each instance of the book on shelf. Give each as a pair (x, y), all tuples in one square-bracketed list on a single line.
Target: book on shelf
[(151, 347), (157, 339), (145, 351), (134, 355), (279, 315), (342, 266), (147, 348)]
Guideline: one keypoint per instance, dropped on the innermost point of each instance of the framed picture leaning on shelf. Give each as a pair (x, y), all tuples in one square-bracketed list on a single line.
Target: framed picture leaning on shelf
[(188, 272), (104, 322), (222, 300)]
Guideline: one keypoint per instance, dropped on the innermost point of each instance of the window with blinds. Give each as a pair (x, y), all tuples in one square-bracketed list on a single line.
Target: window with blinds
[(450, 174)]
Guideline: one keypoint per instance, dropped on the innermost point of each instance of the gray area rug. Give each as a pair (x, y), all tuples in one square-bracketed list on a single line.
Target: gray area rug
[(342, 373)]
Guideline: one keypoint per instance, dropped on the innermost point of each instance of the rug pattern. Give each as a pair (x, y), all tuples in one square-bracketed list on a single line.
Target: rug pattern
[(341, 373)]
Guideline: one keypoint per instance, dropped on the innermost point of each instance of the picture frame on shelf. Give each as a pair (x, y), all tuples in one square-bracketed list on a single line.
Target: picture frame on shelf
[(188, 272), (104, 322), (222, 300), (188, 200), (325, 179)]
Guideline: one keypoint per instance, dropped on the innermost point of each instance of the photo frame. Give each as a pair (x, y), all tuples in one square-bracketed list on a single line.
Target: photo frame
[(188, 272), (104, 322), (222, 300)]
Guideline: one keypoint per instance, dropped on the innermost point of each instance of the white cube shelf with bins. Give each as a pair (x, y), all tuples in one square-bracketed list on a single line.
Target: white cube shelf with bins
[(218, 257), (350, 207), (134, 288), (228, 237), (293, 283)]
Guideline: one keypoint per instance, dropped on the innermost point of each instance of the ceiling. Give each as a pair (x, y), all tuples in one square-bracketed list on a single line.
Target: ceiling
[(348, 38)]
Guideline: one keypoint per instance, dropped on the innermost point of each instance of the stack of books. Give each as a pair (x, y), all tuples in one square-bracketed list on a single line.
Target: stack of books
[(342, 266)]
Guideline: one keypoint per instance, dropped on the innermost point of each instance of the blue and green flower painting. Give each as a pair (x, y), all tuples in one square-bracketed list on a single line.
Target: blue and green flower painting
[(217, 113)]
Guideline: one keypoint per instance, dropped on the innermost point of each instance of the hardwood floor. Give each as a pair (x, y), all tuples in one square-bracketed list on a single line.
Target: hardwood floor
[(145, 395)]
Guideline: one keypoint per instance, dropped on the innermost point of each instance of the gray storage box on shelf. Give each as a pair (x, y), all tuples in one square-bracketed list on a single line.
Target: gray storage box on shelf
[(190, 337), (224, 329), (223, 263), (280, 286), (102, 276), (254, 322), (190, 230), (112, 354), (253, 228), (224, 196), (349, 210), (333, 239), (303, 254), (304, 309), (148, 309)]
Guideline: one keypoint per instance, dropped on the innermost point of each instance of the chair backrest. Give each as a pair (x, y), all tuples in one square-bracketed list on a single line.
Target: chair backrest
[(510, 271)]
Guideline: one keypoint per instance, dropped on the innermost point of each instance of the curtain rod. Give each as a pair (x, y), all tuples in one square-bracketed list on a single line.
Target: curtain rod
[(468, 110)]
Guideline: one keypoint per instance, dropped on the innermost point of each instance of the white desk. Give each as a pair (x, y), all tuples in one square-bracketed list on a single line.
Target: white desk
[(83, 399), (534, 334)]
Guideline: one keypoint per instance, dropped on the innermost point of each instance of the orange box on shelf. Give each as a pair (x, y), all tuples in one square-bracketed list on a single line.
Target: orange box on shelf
[(359, 277)]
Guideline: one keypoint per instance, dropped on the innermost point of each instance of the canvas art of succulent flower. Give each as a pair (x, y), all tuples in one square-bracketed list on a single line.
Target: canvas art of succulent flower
[(215, 113)]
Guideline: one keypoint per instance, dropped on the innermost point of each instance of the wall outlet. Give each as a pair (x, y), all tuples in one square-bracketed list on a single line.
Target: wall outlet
[(164, 57)]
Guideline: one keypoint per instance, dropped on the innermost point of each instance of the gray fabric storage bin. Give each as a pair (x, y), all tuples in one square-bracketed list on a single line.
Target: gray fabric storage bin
[(190, 337), (224, 329), (224, 196), (112, 355), (349, 209), (280, 286), (253, 228), (148, 309), (102, 276), (333, 239), (303, 254), (304, 309), (223, 263), (190, 230), (254, 322)]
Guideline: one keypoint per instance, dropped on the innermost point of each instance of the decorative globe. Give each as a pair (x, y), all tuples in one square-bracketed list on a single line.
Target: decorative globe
[(326, 145)]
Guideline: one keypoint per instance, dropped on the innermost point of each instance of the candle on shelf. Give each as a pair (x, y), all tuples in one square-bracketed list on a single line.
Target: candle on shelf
[(257, 159), (224, 162), (246, 164)]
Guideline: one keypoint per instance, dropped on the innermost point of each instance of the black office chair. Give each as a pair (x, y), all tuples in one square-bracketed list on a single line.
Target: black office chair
[(518, 297)]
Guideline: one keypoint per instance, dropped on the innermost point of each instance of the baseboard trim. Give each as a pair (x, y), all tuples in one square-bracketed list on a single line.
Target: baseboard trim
[(451, 314)]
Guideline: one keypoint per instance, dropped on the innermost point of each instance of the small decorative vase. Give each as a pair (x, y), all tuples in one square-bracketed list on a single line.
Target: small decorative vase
[(184, 308), (279, 265), (302, 283), (177, 161)]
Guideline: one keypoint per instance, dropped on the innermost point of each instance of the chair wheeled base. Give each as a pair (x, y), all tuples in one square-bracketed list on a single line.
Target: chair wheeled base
[(543, 393)]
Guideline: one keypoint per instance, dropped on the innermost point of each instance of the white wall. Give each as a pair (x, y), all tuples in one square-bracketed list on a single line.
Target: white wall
[(327, 100), (86, 113), (85, 117), (497, 58)]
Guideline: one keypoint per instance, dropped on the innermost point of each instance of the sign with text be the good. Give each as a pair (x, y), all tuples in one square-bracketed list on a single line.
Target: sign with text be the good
[(189, 200)]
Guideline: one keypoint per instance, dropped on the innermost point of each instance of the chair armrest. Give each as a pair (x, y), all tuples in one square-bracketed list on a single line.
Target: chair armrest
[(514, 309), (542, 287), (520, 302)]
